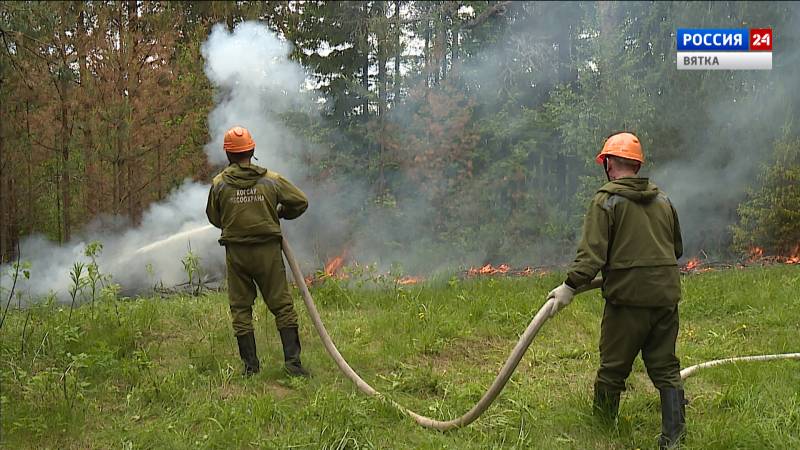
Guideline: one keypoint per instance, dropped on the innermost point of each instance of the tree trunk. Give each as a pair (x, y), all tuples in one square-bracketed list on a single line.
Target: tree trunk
[(365, 62), (4, 190), (29, 219), (397, 51), (9, 228), (605, 10), (383, 58), (130, 161), (65, 187), (59, 206), (427, 53), (101, 199), (159, 185), (454, 47), (117, 163), (608, 26), (561, 177), (545, 183), (64, 143), (441, 51), (93, 183), (12, 235), (130, 187), (90, 187), (117, 188)]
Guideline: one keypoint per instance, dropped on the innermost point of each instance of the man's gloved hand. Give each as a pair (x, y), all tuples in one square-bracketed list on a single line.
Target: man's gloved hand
[(561, 296), (279, 210)]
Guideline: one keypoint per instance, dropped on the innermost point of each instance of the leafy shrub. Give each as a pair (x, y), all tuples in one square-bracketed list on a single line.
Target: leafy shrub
[(770, 217)]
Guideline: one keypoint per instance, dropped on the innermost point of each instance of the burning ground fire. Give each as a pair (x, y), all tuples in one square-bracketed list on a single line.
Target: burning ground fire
[(409, 280), (755, 256), (503, 269), (335, 267)]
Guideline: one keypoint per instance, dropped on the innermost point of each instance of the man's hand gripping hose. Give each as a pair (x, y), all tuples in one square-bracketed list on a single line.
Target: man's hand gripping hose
[(545, 312)]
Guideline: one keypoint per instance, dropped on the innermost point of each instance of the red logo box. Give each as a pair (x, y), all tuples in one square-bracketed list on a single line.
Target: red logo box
[(761, 39)]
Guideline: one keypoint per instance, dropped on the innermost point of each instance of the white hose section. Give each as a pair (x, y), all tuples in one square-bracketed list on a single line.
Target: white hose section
[(488, 397), (502, 377), (691, 370)]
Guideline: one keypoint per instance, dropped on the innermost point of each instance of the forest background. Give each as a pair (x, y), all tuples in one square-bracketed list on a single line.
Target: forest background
[(464, 130)]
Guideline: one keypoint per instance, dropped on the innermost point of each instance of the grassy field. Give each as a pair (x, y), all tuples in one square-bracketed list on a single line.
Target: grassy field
[(164, 373)]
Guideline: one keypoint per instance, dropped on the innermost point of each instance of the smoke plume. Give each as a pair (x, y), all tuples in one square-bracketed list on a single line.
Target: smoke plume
[(255, 82), (51, 264), (737, 142), (257, 85)]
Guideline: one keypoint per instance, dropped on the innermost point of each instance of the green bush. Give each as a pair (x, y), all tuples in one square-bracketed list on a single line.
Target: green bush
[(770, 217)]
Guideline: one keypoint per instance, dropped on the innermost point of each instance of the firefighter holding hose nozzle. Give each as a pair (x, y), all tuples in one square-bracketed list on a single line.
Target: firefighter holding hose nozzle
[(247, 202), (631, 233)]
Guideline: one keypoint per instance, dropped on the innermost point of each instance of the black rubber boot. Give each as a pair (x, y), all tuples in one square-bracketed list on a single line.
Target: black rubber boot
[(673, 418), (291, 352), (606, 404), (247, 351)]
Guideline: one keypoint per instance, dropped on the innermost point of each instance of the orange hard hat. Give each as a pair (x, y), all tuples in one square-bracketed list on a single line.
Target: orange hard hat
[(238, 140), (624, 145)]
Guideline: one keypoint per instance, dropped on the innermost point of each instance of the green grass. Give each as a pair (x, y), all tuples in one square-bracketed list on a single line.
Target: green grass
[(164, 373)]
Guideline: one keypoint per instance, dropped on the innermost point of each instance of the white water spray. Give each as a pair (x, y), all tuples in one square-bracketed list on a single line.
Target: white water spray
[(177, 238)]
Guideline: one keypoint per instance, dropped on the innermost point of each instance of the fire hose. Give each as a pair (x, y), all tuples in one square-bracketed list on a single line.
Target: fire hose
[(502, 377)]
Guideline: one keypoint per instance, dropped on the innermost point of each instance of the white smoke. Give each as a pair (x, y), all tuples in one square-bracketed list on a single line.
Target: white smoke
[(255, 82), (738, 140), (182, 210)]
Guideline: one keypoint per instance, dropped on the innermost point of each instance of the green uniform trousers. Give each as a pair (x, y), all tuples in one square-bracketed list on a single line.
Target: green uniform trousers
[(258, 264), (627, 330)]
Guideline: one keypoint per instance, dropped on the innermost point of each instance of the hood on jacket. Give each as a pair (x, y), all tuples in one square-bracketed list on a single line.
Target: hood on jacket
[(639, 190), (242, 176)]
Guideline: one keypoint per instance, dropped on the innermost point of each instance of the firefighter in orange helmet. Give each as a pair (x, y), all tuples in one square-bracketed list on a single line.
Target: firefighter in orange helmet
[(631, 233), (247, 201)]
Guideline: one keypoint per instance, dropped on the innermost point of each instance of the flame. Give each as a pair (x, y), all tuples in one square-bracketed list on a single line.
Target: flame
[(480, 271), (488, 269), (527, 271), (409, 280), (755, 253), (692, 264), (332, 269), (334, 265), (794, 257), (695, 265), (503, 269)]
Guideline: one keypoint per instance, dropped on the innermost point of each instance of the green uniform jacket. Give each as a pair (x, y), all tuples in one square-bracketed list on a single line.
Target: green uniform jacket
[(631, 233), (243, 202)]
